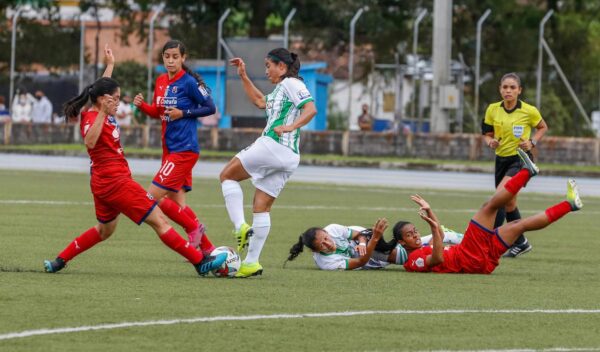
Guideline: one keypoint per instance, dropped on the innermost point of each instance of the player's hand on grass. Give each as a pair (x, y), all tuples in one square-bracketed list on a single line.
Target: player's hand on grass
[(138, 99), (380, 226), (241, 65)]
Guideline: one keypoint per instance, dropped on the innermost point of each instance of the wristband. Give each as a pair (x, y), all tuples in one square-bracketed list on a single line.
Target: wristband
[(533, 141), (362, 244)]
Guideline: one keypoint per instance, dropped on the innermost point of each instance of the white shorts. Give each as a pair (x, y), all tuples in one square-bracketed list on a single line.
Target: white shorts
[(269, 163)]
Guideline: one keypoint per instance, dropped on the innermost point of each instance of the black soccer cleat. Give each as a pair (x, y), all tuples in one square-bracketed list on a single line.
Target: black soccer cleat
[(518, 250), (55, 265)]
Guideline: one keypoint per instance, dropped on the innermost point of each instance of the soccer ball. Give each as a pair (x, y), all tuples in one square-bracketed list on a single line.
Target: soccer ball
[(231, 265)]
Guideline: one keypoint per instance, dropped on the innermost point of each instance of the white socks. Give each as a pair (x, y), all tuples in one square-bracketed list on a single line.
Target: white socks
[(234, 202), (261, 224)]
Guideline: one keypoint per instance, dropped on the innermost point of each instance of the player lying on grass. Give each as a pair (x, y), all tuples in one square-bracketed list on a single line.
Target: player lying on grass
[(337, 247), (481, 247)]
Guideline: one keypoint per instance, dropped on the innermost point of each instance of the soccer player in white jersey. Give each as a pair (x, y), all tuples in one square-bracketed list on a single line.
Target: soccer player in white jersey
[(338, 247), (273, 157)]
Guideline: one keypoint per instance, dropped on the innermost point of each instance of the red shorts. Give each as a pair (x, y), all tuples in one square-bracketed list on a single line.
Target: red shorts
[(480, 250), (122, 195), (176, 171)]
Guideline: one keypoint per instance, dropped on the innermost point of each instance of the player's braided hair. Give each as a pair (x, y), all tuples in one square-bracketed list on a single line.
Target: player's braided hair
[(306, 239), (91, 93), (290, 59), (171, 44)]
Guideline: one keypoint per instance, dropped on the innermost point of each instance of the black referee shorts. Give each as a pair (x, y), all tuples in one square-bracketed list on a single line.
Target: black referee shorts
[(507, 166)]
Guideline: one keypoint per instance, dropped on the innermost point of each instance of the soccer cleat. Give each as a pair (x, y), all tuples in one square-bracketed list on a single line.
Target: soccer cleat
[(55, 265), (518, 250), (249, 269), (242, 236), (195, 236), (573, 195), (528, 163), (210, 263)]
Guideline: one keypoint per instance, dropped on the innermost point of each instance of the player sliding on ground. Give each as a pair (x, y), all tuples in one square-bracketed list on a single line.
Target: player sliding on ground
[(338, 247), (482, 247), (113, 188)]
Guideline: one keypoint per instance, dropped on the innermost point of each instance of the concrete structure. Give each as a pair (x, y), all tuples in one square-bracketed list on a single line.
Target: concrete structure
[(560, 150)]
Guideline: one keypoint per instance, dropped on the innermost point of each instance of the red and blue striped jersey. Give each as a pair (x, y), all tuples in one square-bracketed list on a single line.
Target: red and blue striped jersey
[(183, 93)]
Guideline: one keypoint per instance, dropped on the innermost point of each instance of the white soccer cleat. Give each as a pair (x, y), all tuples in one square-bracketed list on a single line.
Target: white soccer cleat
[(573, 195)]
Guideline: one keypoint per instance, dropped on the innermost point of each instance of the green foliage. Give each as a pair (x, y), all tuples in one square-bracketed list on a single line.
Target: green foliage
[(132, 76)]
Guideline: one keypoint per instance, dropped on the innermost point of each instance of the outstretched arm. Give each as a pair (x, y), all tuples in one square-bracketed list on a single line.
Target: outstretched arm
[(254, 94), (425, 212), (109, 60), (378, 230)]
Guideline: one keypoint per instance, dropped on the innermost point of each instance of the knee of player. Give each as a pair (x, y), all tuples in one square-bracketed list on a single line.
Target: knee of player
[(105, 230)]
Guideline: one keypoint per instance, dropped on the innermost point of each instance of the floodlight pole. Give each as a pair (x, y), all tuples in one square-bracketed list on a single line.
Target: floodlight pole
[(478, 57), (13, 45), (416, 77), (81, 52), (157, 12), (219, 40), (351, 58), (538, 90), (286, 26)]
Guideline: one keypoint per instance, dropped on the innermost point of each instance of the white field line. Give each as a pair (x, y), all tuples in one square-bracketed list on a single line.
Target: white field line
[(28, 333), (283, 206), (554, 349)]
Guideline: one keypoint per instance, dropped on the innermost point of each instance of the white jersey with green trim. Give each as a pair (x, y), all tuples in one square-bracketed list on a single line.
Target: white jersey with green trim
[(344, 249), (283, 107)]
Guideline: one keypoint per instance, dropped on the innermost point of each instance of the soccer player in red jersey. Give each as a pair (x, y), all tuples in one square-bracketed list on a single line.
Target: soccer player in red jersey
[(180, 97), (112, 186), (481, 247)]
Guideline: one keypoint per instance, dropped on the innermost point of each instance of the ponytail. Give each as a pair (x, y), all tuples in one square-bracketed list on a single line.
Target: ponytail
[(74, 105), (290, 59), (306, 239), (197, 77), (91, 93), (397, 231)]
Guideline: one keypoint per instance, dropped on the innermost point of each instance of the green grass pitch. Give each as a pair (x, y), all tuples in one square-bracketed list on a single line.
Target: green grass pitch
[(133, 277)]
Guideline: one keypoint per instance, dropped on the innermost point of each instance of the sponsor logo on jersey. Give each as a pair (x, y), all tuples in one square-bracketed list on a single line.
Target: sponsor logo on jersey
[(303, 94), (203, 91), (420, 262), (167, 101), (518, 131), (174, 89)]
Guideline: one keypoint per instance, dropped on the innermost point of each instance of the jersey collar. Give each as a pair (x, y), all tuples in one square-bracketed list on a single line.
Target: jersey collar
[(177, 76), (518, 106)]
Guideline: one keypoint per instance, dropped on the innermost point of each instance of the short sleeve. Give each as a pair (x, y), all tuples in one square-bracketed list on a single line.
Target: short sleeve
[(489, 116), (534, 116), (330, 262), (297, 92), (416, 261), (339, 231)]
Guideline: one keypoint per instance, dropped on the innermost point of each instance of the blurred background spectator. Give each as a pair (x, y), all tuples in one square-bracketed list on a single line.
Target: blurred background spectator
[(41, 109)]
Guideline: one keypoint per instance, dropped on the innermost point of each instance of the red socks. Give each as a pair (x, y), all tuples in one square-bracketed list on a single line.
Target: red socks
[(557, 211), (205, 244), (517, 182), (85, 241), (175, 213), (181, 246)]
